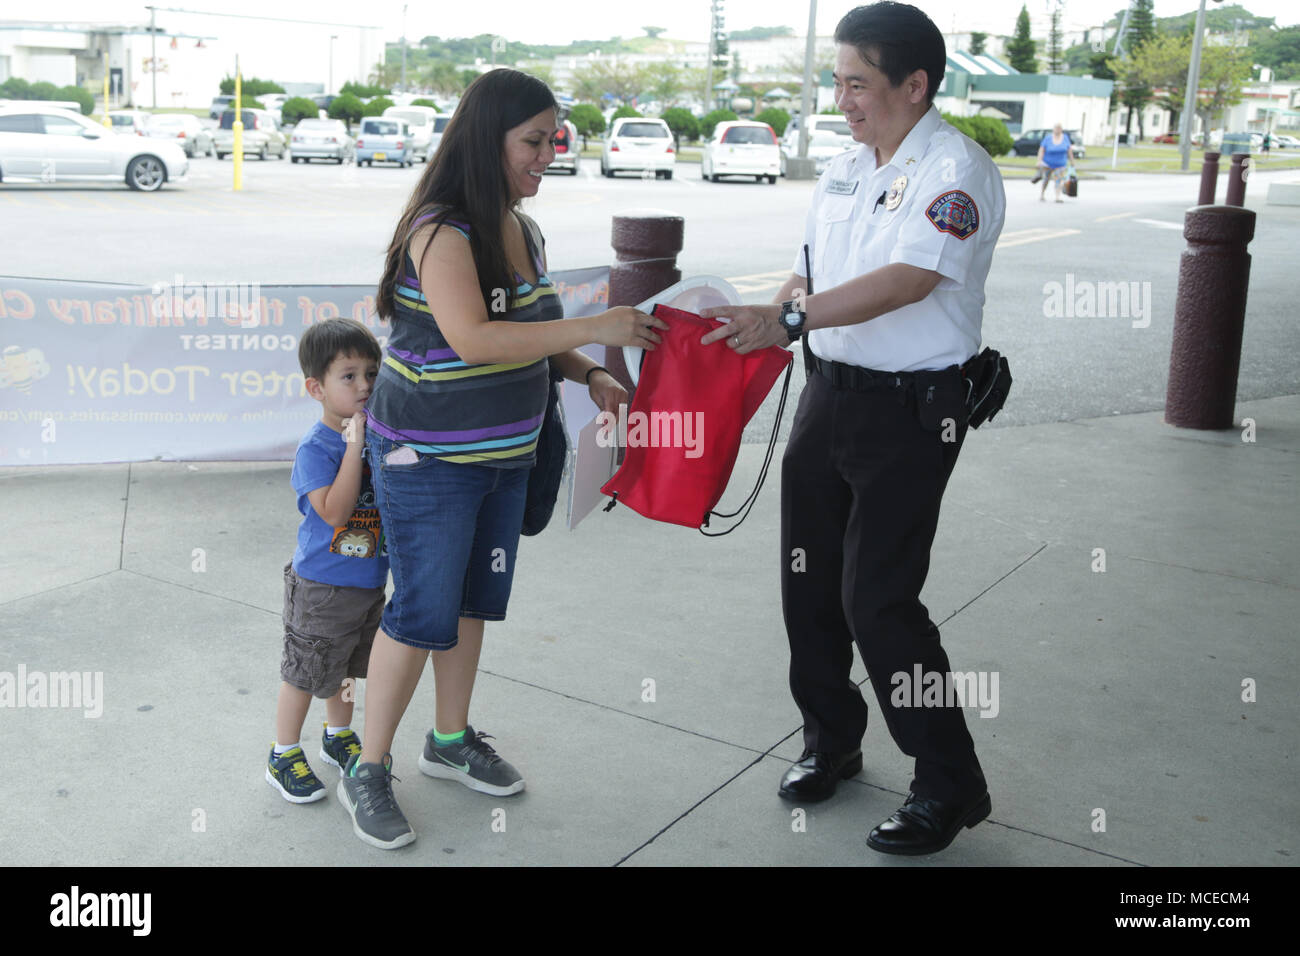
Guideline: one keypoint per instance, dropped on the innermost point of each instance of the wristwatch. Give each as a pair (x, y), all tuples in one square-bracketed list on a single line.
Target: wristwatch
[(792, 320)]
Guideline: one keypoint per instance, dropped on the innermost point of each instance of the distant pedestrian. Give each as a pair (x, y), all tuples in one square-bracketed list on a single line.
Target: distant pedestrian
[(1054, 157), (1268, 141)]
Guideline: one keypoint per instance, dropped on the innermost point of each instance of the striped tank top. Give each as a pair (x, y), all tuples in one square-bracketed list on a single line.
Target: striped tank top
[(428, 399)]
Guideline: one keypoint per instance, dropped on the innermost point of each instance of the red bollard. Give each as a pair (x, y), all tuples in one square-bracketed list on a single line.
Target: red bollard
[(1209, 180), (1237, 174), (646, 243), (1209, 316)]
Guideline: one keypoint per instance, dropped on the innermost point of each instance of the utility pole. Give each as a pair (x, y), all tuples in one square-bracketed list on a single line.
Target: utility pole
[(153, 51), (807, 104), (1193, 84), (333, 37), (713, 41), (403, 48)]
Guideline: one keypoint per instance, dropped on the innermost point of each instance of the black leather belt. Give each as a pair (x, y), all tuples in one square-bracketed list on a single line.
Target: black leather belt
[(855, 378)]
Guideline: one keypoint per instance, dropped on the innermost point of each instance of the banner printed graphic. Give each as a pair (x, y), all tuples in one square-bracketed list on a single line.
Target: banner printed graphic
[(94, 372)]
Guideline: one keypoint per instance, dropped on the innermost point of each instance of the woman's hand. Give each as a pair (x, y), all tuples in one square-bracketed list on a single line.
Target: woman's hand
[(624, 325), (606, 392)]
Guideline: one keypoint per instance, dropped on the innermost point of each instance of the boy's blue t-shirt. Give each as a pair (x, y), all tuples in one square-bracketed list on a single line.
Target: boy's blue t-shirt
[(353, 555)]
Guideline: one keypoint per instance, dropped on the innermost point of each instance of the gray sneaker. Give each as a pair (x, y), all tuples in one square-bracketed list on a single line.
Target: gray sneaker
[(369, 800), (472, 762)]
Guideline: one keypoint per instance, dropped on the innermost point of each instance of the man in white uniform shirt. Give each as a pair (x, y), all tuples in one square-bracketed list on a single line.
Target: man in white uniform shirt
[(900, 235)]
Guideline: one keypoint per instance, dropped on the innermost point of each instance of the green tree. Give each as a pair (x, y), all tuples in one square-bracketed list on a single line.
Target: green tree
[(1055, 57), (441, 76), (587, 120), (467, 77), (776, 118), (712, 119), (1141, 24), (251, 86), (425, 102), (298, 108), (623, 111), (977, 42), (594, 80), (990, 133), (348, 108), (82, 98), (362, 90), (663, 81), (1135, 92), (1225, 70), (1102, 67), (682, 124), (1021, 49), (653, 32), (376, 106)]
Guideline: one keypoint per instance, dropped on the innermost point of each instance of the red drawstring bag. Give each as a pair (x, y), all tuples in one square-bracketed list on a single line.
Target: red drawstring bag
[(683, 430)]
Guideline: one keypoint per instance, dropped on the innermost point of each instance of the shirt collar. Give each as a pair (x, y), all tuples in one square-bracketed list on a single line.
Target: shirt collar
[(911, 148)]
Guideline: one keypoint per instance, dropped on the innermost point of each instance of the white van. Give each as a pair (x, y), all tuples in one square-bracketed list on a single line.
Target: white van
[(421, 120)]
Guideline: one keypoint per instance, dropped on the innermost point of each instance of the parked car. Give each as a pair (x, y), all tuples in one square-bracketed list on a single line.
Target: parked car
[(819, 123), (1170, 138), (262, 135), (272, 102), (44, 144), (1029, 141), (323, 101), (185, 130), (130, 122), (741, 148), (1286, 141), (566, 150), (384, 141), (421, 121), (822, 148), (321, 139), (439, 125), (637, 144), (219, 105)]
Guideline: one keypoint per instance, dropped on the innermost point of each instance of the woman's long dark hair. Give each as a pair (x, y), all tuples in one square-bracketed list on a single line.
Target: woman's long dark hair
[(467, 177)]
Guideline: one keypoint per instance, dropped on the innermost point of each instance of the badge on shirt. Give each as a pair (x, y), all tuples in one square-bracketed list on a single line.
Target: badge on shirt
[(842, 187), (895, 197), (955, 213)]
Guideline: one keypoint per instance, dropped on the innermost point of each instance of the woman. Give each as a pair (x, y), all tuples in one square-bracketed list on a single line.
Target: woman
[(1054, 158), (453, 424)]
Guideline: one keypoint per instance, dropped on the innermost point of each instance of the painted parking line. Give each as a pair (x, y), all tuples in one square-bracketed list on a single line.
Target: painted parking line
[(1118, 215), (1161, 224), (1023, 236)]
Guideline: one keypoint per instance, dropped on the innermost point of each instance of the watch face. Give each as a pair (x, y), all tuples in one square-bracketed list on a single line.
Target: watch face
[(792, 320)]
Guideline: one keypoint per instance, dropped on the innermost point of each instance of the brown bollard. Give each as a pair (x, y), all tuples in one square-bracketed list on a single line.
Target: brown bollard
[(646, 243), (1209, 316), (1209, 180), (1237, 179)]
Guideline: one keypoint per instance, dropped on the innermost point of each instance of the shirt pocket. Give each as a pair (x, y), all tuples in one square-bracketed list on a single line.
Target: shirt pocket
[(834, 225)]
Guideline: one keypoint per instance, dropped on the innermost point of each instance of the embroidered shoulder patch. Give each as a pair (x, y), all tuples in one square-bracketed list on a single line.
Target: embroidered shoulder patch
[(954, 213)]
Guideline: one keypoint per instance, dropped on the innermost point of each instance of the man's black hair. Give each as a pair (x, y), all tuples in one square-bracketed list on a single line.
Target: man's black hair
[(897, 39)]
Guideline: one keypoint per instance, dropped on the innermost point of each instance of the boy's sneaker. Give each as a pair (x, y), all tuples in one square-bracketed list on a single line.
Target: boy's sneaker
[(340, 748), (473, 762), (290, 774), (368, 798)]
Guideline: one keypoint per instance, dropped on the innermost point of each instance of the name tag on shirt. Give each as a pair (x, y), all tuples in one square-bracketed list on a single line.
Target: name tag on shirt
[(842, 187)]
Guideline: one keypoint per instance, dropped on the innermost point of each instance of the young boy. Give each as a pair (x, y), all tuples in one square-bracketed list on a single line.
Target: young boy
[(334, 587)]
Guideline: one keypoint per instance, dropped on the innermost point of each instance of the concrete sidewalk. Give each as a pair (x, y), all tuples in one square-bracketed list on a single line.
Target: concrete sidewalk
[(1119, 691)]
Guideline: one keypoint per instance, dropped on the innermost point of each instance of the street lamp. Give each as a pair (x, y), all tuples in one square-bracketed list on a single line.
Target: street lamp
[(330, 88)]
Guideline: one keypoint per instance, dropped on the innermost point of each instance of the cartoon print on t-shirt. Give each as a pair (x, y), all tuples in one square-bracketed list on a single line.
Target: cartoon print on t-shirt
[(364, 530)]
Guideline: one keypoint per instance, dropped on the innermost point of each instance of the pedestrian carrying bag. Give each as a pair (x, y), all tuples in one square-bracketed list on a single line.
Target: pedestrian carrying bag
[(683, 429), (1072, 182), (548, 472)]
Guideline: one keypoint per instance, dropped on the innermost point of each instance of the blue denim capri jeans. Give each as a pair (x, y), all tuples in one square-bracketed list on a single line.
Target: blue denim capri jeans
[(452, 531)]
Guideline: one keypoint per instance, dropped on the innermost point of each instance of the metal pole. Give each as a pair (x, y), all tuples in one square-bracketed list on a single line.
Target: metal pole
[(107, 122), (333, 37), (713, 48), (403, 48), (153, 51), (1193, 84), (806, 104)]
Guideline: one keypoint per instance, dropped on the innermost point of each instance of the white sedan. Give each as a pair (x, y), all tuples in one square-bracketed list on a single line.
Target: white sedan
[(42, 144), (822, 148)]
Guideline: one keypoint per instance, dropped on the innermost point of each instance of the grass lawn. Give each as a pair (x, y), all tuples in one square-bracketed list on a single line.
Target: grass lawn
[(1145, 159)]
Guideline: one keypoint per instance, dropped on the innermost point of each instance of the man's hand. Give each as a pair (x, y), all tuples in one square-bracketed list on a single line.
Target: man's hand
[(751, 327), (606, 392)]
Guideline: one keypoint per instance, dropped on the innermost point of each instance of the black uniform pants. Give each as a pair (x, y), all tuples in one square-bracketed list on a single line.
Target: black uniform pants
[(861, 484)]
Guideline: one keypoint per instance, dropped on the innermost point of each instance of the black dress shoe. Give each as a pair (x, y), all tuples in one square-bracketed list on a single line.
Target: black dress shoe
[(926, 826), (814, 777)]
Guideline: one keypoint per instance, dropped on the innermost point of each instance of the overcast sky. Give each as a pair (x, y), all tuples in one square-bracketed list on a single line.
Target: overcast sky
[(560, 22)]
